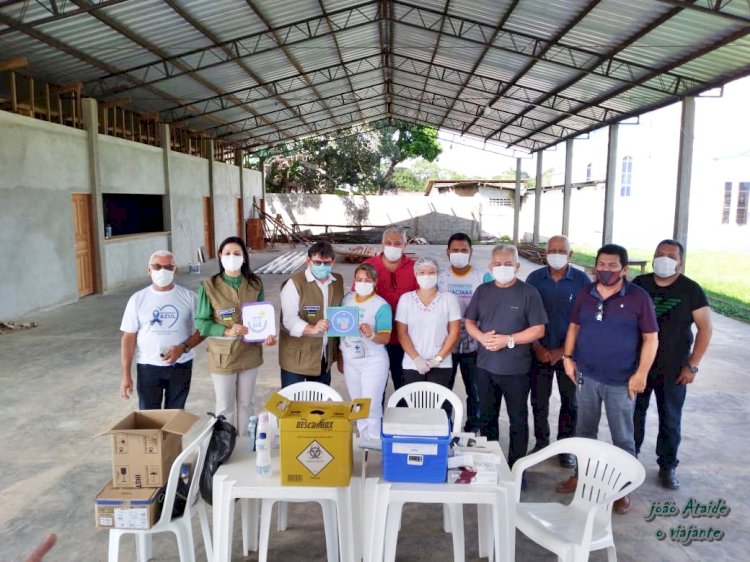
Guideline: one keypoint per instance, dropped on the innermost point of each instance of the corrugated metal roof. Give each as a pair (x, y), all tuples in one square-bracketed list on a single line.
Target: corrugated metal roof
[(528, 73)]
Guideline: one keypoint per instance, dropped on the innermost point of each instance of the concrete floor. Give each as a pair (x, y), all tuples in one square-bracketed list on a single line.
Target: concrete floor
[(60, 387)]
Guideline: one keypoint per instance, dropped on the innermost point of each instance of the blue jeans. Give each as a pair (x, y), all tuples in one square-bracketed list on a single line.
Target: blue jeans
[(170, 384), (670, 398), (618, 406), (468, 364), (542, 375), (515, 389), (287, 377)]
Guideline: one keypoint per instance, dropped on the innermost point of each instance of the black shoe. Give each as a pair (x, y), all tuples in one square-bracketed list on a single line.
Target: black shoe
[(669, 479), (538, 447), (567, 460)]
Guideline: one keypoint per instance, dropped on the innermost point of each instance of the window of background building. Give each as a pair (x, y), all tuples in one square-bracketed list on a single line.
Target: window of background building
[(626, 178), (742, 202), (727, 202), (133, 214), (588, 171)]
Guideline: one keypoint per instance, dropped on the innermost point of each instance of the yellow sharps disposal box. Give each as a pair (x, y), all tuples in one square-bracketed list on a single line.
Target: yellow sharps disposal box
[(316, 439)]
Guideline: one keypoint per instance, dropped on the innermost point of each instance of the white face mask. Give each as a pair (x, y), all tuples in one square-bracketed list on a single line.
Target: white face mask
[(504, 273), (557, 261), (162, 278), (392, 253), (459, 261), (426, 281), (664, 267), (232, 262), (364, 288)]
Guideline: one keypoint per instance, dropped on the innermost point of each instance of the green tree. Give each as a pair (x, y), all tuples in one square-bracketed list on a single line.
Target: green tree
[(404, 178), (361, 159), (401, 141)]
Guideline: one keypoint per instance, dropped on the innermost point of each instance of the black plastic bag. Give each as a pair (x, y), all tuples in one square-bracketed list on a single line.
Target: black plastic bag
[(220, 449)]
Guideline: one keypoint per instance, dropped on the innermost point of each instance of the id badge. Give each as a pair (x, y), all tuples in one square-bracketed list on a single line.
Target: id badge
[(358, 349)]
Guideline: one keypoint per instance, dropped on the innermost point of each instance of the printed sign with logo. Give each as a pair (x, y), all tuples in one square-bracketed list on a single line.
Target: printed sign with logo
[(344, 321), (260, 320)]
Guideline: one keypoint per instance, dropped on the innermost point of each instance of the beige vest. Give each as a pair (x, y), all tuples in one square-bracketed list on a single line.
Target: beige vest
[(302, 355), (230, 355)]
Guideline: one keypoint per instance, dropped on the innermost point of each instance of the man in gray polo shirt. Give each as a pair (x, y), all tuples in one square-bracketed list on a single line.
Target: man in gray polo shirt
[(505, 316)]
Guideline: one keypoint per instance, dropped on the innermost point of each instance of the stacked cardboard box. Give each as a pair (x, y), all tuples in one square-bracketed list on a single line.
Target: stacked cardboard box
[(145, 443)]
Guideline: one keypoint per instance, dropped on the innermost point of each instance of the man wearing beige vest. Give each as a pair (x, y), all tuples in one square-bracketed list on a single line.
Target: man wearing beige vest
[(305, 352)]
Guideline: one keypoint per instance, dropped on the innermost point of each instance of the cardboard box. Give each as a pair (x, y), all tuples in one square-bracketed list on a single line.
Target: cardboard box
[(316, 440), (145, 443), (415, 444), (128, 508)]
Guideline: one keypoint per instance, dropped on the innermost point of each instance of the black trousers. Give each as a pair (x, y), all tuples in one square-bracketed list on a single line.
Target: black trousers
[(541, 390), (492, 389)]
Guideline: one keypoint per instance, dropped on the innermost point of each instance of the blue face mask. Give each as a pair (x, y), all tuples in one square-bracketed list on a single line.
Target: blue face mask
[(321, 271)]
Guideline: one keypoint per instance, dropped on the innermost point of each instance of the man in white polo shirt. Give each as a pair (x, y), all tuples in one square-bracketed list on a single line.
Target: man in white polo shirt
[(159, 323)]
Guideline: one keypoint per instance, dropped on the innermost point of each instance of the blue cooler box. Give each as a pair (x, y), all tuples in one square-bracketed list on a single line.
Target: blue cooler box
[(415, 444)]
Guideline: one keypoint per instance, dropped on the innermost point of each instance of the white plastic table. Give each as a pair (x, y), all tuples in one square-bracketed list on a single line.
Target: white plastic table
[(238, 479)]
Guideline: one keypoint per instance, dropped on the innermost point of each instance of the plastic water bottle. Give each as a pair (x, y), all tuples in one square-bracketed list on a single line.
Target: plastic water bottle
[(262, 455), (251, 426)]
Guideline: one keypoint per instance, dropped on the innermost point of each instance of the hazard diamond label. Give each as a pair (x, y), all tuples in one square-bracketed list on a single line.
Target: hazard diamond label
[(315, 458)]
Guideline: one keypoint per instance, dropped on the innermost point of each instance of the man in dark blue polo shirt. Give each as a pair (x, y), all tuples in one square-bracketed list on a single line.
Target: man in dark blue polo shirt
[(610, 347), (558, 284)]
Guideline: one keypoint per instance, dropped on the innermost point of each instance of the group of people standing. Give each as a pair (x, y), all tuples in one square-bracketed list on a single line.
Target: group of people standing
[(610, 341)]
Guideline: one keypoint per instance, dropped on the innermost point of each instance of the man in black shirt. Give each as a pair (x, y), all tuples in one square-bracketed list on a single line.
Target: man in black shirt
[(679, 302)]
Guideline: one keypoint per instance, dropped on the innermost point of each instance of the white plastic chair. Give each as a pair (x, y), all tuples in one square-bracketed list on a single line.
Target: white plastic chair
[(307, 391), (194, 455), (425, 394), (605, 474)]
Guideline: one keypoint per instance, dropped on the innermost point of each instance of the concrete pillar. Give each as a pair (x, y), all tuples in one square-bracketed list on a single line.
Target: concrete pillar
[(538, 196), (211, 251), (166, 147), (517, 202), (567, 189), (684, 171), (90, 116), (262, 166), (238, 154), (609, 190)]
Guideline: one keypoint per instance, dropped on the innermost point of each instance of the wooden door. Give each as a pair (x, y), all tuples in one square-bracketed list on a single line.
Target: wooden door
[(208, 227), (84, 237), (240, 230)]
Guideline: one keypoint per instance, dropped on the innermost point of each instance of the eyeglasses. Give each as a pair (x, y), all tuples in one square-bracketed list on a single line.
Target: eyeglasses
[(159, 267), (318, 262), (599, 311)]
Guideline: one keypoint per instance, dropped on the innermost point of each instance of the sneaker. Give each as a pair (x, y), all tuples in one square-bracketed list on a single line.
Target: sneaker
[(568, 486), (567, 460), (622, 506), (669, 479)]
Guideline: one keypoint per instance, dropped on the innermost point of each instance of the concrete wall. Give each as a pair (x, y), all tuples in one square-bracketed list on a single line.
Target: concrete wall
[(41, 164), (188, 186), (434, 218), (226, 192), (130, 167)]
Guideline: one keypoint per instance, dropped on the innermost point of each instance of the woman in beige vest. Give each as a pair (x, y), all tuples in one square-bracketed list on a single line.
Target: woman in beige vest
[(232, 362)]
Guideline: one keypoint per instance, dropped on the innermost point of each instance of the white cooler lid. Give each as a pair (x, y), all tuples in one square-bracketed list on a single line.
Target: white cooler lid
[(422, 422)]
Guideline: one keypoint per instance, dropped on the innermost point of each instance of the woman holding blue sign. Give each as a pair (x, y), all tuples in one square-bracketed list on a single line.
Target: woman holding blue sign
[(428, 323), (365, 359), (232, 361)]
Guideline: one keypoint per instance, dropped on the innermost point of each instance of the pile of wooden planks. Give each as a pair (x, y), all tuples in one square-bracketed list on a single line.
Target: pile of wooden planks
[(532, 253)]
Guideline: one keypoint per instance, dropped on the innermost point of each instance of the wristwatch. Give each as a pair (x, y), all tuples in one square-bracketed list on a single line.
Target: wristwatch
[(511, 342), (187, 347), (563, 356), (439, 359), (693, 368)]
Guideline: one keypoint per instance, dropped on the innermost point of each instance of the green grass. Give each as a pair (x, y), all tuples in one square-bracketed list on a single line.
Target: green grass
[(724, 276)]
